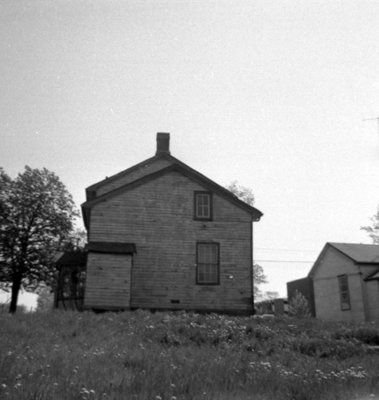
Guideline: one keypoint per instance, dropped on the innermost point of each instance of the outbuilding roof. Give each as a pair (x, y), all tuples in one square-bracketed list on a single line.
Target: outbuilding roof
[(360, 253), (366, 254)]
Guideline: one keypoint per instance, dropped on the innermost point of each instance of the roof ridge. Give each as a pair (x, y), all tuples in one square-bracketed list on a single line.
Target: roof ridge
[(354, 244), (350, 251)]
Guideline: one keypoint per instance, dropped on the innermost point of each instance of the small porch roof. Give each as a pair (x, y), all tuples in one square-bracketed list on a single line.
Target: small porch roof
[(373, 276), (111, 247), (72, 258)]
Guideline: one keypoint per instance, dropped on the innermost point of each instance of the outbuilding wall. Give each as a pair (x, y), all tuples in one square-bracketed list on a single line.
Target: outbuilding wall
[(372, 288), (326, 289)]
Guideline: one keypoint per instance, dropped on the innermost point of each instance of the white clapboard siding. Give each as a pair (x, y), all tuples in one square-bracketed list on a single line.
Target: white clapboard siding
[(108, 281)]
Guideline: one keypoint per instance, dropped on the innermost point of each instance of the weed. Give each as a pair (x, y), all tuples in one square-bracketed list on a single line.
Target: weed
[(183, 356)]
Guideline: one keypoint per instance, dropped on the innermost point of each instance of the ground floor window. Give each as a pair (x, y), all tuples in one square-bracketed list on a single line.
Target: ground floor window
[(343, 285), (208, 263)]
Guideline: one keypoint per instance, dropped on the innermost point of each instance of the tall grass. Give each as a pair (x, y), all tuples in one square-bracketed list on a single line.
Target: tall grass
[(173, 356)]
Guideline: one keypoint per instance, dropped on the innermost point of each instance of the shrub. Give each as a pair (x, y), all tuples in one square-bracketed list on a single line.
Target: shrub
[(143, 356), (21, 308), (298, 306), (364, 334), (45, 300), (261, 332), (325, 348), (367, 335), (4, 307)]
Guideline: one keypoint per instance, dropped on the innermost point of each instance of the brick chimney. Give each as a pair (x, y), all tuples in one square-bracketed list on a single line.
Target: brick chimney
[(163, 143)]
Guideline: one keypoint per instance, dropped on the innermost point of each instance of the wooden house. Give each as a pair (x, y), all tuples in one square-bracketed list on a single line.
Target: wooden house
[(345, 280), (163, 236)]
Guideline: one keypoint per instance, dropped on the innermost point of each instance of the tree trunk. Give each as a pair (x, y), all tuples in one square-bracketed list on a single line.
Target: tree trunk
[(16, 285)]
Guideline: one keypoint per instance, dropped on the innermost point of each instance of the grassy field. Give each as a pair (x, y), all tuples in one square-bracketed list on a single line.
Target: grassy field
[(173, 356)]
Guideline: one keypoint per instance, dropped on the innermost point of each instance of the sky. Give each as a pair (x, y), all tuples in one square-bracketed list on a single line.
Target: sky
[(273, 94)]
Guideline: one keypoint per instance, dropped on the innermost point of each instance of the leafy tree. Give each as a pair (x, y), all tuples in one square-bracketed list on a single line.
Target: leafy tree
[(373, 229), (36, 217), (298, 306), (243, 193), (270, 295), (45, 300), (246, 194), (258, 278), (76, 240), (4, 307)]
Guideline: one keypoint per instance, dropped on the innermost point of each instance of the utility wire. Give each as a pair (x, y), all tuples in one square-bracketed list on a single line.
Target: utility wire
[(292, 250), (267, 249), (287, 261)]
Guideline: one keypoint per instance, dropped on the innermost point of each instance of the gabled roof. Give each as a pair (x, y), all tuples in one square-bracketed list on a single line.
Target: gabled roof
[(180, 168), (165, 154), (128, 171), (141, 165), (359, 253)]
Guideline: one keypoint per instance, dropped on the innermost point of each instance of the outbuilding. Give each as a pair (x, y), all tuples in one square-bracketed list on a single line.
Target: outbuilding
[(345, 280)]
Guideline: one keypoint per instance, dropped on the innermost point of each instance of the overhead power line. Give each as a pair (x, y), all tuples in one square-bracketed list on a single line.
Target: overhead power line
[(373, 119), (291, 250), (287, 261)]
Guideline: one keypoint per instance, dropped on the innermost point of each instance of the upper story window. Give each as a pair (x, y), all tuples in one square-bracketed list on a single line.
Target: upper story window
[(343, 285), (203, 206)]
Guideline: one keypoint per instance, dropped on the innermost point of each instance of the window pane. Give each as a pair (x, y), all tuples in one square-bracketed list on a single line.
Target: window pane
[(215, 254), (207, 256), (202, 206), (344, 292), (207, 263), (199, 211), (201, 253)]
